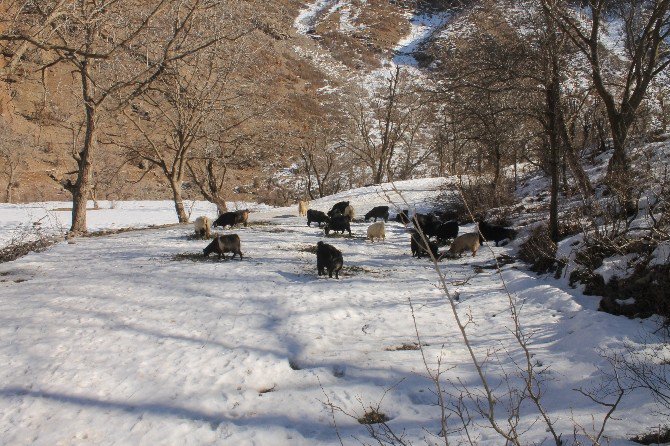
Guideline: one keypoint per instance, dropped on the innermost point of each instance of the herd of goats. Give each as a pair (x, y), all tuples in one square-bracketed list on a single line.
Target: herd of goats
[(339, 218)]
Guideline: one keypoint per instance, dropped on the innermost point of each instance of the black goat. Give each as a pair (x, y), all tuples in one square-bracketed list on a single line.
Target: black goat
[(419, 248), (339, 223), (330, 258), (338, 208), (378, 212), (317, 217), (494, 233), (232, 218), (223, 244), (403, 216), (427, 223), (445, 231)]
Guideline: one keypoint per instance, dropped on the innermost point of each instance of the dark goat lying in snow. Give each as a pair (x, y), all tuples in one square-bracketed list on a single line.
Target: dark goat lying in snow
[(330, 258), (232, 218), (316, 216), (494, 233), (223, 244), (339, 223), (378, 212)]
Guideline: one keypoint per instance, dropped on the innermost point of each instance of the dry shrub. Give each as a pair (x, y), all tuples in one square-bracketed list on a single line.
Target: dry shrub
[(28, 238), (659, 436), (15, 250), (648, 284), (482, 200), (540, 252), (373, 416)]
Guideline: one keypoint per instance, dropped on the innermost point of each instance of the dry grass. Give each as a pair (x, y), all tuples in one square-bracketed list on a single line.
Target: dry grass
[(268, 389), (405, 346), (310, 249), (659, 436), (355, 270), (16, 250), (373, 416), (195, 257)]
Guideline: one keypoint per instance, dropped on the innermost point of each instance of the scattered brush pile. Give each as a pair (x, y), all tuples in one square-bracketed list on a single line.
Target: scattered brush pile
[(482, 198), (660, 436), (19, 249), (539, 251), (373, 416), (640, 286), (27, 239), (625, 256)]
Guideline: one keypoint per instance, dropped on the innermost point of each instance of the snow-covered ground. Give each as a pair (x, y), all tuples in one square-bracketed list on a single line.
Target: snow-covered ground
[(23, 222), (306, 19), (422, 27), (118, 340)]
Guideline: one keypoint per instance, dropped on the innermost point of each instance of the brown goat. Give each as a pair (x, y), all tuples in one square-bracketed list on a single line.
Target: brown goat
[(465, 242)]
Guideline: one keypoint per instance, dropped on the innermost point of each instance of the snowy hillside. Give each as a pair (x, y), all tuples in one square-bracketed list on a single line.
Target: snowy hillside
[(135, 339)]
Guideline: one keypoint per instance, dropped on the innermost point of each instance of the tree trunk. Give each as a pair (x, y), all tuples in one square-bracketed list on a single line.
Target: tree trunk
[(175, 185), (573, 162), (618, 164), (82, 187), (497, 168), (220, 203), (619, 177), (553, 103), (10, 183)]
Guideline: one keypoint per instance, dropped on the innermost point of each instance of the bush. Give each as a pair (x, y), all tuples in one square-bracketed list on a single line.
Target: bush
[(481, 199), (540, 252), (660, 436), (647, 283)]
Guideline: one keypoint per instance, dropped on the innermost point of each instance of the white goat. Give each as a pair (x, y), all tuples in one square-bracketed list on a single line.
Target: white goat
[(377, 230)]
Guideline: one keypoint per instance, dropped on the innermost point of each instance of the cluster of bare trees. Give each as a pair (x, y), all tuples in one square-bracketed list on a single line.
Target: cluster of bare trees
[(150, 77), (545, 84), (555, 80), (386, 132), (390, 131), (161, 83)]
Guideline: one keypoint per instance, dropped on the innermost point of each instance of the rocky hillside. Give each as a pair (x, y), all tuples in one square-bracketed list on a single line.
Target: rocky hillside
[(290, 42), (312, 76)]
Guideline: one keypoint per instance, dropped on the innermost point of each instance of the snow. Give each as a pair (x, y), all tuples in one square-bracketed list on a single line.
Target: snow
[(306, 18), (422, 27), (111, 340), (25, 221), (661, 254), (616, 266)]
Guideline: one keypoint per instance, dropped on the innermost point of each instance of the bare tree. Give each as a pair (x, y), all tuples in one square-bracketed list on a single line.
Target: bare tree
[(386, 124), (118, 49), (621, 82), (209, 167), (320, 154), (10, 158), (179, 114), (15, 150)]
